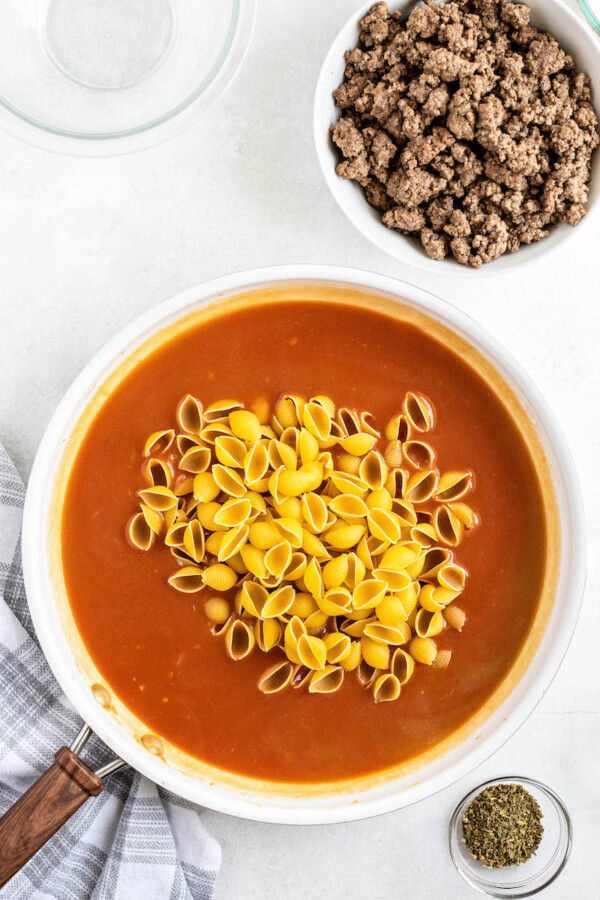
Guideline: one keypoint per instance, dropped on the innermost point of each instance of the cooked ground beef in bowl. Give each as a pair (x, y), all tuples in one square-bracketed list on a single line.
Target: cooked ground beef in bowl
[(467, 127)]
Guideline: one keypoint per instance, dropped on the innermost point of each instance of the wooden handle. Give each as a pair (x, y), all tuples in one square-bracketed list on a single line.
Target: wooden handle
[(41, 811)]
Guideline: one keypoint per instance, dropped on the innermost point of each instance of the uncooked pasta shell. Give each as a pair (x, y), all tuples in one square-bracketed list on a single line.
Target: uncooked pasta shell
[(239, 640), (326, 682), (276, 678), (386, 688)]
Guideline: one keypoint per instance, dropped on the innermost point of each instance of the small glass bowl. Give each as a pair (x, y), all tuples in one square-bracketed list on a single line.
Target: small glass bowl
[(529, 877), (101, 77)]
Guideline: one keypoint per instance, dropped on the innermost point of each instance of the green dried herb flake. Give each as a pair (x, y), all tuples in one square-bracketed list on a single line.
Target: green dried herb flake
[(502, 826)]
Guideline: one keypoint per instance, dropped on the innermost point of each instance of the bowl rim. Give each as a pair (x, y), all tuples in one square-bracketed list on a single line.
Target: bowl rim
[(366, 221), (52, 639)]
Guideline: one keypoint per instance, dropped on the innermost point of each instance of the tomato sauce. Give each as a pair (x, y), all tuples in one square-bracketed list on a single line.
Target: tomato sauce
[(153, 645)]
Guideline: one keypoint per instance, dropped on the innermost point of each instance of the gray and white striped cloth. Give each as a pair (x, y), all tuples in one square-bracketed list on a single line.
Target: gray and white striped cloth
[(134, 840)]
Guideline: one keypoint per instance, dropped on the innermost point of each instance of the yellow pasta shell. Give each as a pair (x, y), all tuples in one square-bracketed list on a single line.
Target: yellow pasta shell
[(464, 514), (313, 578), (373, 470), (188, 579), (232, 542), (308, 447), (158, 498), (455, 617), (317, 420), (239, 640), (442, 659), (290, 530), (205, 487), (418, 411), (374, 653), (358, 444), (290, 508), (316, 622), (387, 634), (356, 571), (278, 602), (368, 593), (453, 485), (314, 512), (230, 451), (304, 604), (139, 532), (349, 507), (217, 610), (253, 597), (228, 480), (195, 460), (278, 558), (245, 425), (313, 546), (158, 472), (390, 611), (327, 681), (421, 486), (219, 577), (343, 537), (386, 688), (352, 661), (193, 540), (153, 518), (452, 577), (335, 572), (428, 624), (267, 633), (233, 513), (276, 678), (423, 650), (256, 463), (398, 428), (381, 499), (349, 484), (393, 454), (348, 463), (159, 442), (384, 525), (264, 535), (402, 665), (312, 652), (254, 560), (220, 409), (419, 454), (335, 602), (448, 527), (397, 558), (338, 647)]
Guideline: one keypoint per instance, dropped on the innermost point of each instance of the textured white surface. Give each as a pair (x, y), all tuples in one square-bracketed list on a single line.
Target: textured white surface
[(86, 245)]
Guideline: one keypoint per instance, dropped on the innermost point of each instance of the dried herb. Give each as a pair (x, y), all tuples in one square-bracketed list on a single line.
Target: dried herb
[(502, 826)]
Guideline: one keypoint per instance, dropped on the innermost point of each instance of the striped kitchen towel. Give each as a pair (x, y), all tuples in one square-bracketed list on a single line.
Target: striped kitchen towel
[(134, 840)]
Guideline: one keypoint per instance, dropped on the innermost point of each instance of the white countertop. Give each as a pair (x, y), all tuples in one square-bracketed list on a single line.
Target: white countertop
[(87, 245)]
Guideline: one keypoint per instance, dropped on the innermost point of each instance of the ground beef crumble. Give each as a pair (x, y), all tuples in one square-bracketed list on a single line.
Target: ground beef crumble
[(466, 127)]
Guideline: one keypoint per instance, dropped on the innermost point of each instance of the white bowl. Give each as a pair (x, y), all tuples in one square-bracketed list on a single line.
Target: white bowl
[(550, 15), (246, 797)]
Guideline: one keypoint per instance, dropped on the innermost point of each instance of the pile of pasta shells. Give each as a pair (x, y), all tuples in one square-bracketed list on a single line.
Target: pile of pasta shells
[(313, 536)]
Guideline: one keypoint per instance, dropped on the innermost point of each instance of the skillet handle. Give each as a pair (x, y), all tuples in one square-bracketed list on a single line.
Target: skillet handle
[(43, 809)]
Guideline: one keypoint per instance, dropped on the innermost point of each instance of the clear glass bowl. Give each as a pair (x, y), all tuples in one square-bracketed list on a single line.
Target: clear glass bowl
[(98, 77), (592, 17), (540, 870)]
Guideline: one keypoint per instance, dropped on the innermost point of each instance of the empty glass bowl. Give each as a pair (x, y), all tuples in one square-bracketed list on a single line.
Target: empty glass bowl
[(535, 874), (98, 77)]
